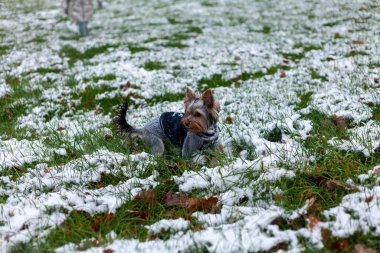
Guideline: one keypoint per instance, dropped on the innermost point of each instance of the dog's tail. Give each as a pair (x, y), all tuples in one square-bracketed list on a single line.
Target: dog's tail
[(121, 122)]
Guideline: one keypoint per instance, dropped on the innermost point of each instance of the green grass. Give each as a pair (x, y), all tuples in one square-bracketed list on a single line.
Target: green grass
[(305, 99), (217, 80), (136, 48), (374, 65), (293, 56), (89, 101), (74, 55), (167, 97), (4, 49), (12, 107), (266, 29), (107, 77), (127, 222), (308, 47), (153, 65), (323, 179), (356, 53), (43, 71), (376, 113), (15, 172), (315, 75)]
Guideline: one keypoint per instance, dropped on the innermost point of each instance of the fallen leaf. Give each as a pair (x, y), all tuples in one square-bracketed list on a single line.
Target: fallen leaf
[(237, 58), (359, 42), (376, 79), (9, 113), (377, 171), (146, 196), (282, 74), (229, 120), (108, 251), (132, 94), (331, 185), (377, 150), (206, 204), (339, 121), (126, 85), (172, 199), (285, 61), (100, 219), (46, 170), (60, 128), (312, 221), (192, 204), (310, 201), (341, 246), (24, 226), (152, 237), (369, 199), (108, 137), (360, 248), (280, 246), (326, 234)]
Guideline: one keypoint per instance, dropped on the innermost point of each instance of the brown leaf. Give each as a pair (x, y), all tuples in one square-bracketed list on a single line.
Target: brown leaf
[(369, 199), (100, 219), (376, 79), (237, 58), (126, 85), (229, 120), (61, 128), (146, 196), (360, 248), (282, 74), (192, 204), (134, 95), (108, 137), (326, 234), (280, 246), (359, 42), (172, 199), (108, 251), (377, 171), (377, 150), (341, 246), (285, 61), (331, 185), (24, 226), (312, 221), (198, 227), (46, 170), (311, 201), (278, 198), (206, 204), (152, 237), (339, 121)]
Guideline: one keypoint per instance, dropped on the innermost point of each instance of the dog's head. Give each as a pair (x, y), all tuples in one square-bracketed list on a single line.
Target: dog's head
[(200, 112)]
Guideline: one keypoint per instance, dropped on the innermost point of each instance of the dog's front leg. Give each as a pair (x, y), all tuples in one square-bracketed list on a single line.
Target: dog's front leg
[(190, 145)]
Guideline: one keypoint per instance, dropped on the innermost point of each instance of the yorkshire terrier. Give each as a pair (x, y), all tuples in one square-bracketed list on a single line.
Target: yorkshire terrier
[(192, 131)]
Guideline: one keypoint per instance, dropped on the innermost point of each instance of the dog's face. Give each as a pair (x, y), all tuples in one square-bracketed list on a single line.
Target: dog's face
[(200, 112)]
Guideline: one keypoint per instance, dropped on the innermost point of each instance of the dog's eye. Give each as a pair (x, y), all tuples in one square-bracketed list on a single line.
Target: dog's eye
[(197, 114)]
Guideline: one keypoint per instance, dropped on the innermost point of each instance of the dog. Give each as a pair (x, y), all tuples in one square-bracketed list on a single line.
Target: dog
[(192, 131)]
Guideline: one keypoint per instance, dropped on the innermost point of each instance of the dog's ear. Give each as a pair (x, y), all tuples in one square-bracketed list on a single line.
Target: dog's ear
[(208, 99), (190, 96), (211, 104)]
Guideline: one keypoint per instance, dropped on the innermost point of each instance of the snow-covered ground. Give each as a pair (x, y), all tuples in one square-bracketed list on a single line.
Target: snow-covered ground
[(329, 48)]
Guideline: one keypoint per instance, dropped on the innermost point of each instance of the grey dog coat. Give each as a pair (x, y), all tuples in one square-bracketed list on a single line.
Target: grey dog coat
[(170, 123)]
